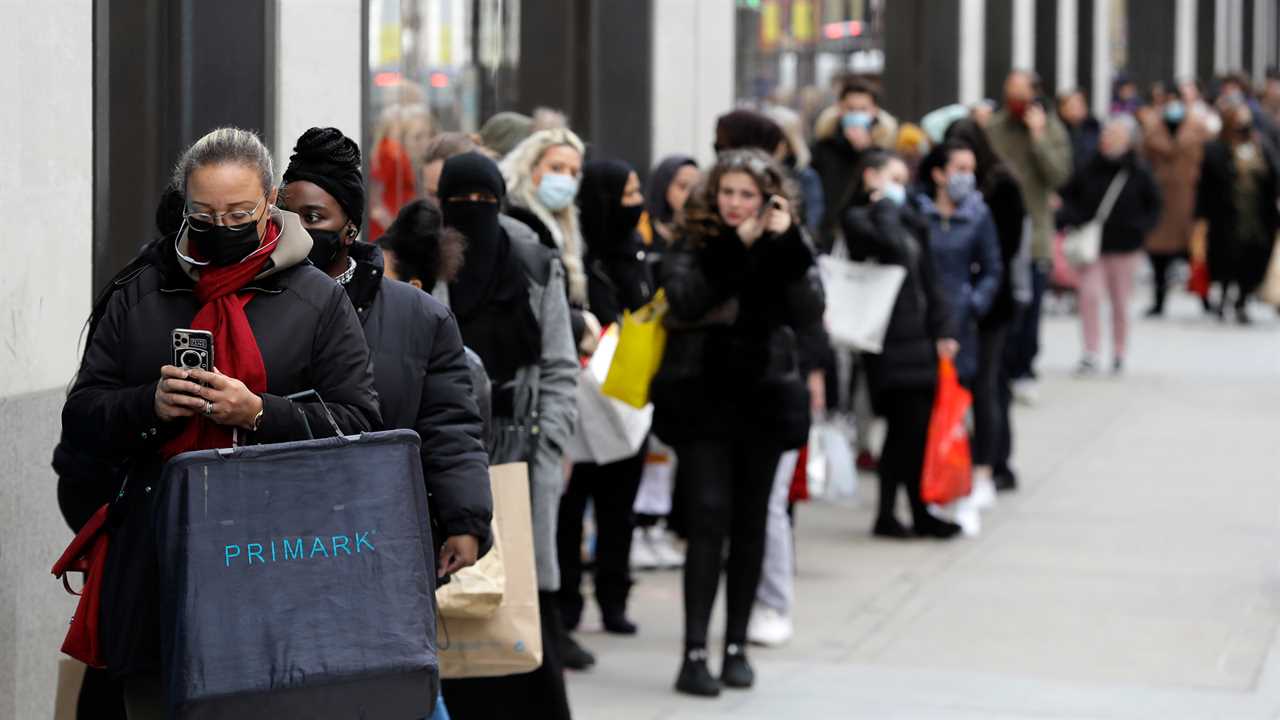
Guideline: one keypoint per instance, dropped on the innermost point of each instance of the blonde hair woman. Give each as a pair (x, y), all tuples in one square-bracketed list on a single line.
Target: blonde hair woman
[(543, 173)]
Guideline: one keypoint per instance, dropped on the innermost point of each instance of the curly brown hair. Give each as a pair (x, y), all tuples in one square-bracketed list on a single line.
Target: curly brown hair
[(701, 217)]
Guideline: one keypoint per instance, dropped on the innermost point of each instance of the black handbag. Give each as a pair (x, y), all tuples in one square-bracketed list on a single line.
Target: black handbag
[(515, 438)]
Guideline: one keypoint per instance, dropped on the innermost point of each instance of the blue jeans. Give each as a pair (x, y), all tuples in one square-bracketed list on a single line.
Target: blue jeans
[(441, 713)]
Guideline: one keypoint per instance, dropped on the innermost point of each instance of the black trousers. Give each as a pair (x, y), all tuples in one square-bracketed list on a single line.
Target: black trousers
[(539, 694), (1161, 264), (725, 487), (612, 489), (906, 414), (988, 419), (1024, 336)]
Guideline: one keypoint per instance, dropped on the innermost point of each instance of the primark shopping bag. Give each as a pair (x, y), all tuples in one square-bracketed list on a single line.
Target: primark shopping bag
[(297, 580)]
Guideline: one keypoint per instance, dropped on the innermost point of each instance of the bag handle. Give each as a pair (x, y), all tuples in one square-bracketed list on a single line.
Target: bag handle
[(327, 413), (1113, 194)]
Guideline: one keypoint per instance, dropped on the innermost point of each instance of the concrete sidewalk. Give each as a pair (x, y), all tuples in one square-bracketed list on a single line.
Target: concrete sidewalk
[(1135, 575)]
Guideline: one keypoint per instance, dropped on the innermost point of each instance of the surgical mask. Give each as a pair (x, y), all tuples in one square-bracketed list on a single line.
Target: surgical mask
[(856, 119), (220, 245), (960, 185), (325, 245), (895, 193), (557, 191), (1174, 112)]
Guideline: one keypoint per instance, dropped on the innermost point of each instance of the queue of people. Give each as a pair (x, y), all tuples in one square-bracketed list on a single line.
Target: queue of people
[(497, 259)]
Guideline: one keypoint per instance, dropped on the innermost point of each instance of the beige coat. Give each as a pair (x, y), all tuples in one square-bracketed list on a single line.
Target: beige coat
[(1175, 161)]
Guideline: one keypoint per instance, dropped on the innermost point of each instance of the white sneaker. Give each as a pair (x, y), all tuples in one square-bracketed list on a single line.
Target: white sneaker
[(1026, 391), (984, 492), (664, 549), (769, 627), (965, 513), (642, 555)]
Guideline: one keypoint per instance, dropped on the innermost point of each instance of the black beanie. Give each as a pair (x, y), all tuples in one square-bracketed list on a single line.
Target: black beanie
[(331, 160), (468, 173)]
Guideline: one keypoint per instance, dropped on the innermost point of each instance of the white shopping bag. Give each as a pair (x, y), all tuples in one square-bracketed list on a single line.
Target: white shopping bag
[(657, 481), (860, 300), (831, 471), (608, 429)]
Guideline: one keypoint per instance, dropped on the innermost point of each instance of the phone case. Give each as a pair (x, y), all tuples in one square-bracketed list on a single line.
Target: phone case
[(193, 349)]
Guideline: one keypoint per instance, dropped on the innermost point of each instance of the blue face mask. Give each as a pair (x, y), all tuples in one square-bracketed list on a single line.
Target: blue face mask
[(856, 119), (1174, 112), (960, 186), (895, 193), (557, 191)]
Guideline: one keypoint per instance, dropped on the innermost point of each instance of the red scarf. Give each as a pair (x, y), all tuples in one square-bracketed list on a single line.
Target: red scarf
[(235, 348)]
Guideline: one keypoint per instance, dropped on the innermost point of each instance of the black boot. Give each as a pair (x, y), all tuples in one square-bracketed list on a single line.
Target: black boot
[(736, 671), (889, 527), (616, 622), (1005, 480), (695, 677), (574, 656), (932, 527)]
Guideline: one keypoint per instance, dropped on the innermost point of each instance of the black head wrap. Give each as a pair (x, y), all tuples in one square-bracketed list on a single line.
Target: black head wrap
[(328, 158), (655, 195), (606, 224), (490, 296)]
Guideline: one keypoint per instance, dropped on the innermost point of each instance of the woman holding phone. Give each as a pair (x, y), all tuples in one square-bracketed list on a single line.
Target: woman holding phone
[(279, 326), (729, 391)]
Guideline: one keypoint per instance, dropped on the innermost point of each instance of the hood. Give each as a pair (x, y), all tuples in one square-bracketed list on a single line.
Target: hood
[(293, 248)]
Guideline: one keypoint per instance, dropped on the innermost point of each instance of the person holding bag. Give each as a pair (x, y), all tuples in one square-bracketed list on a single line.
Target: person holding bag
[(1116, 193), (618, 280), (729, 394), (511, 308), (419, 367), (879, 226), (235, 269)]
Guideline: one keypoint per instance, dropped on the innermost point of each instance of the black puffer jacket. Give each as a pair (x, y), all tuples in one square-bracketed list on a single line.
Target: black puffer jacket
[(309, 337), (893, 235), (731, 366), (424, 384)]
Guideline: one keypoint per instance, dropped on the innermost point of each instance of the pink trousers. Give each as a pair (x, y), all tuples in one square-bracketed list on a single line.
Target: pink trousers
[(1112, 274)]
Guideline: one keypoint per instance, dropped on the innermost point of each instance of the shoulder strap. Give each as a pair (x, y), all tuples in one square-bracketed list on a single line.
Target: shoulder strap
[(1113, 193)]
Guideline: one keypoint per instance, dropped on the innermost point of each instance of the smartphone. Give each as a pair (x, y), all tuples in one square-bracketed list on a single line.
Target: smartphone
[(193, 349), (770, 203)]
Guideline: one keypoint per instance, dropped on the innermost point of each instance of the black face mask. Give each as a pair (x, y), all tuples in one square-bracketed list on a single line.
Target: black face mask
[(221, 245), (478, 221), (626, 218), (325, 245), (1245, 133)]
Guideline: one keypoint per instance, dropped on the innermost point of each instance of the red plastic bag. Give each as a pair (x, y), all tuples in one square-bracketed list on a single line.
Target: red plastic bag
[(800, 478), (1198, 283), (948, 466), (86, 554)]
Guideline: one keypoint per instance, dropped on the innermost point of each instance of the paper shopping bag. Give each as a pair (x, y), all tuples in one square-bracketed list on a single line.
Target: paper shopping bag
[(948, 467), (509, 641), (476, 592), (1270, 291)]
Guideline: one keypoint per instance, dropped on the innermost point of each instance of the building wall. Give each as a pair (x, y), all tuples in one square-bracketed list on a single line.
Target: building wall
[(693, 75), (318, 71), (46, 193)]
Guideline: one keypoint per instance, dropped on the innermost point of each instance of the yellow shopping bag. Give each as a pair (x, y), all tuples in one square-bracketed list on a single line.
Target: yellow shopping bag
[(641, 342)]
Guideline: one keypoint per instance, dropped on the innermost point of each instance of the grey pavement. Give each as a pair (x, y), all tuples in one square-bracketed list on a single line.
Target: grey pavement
[(1135, 575)]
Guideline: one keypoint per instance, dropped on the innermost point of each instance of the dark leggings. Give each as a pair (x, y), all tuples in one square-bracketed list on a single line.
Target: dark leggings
[(612, 490), (906, 414), (725, 487), (540, 693), (987, 415), (1161, 264)]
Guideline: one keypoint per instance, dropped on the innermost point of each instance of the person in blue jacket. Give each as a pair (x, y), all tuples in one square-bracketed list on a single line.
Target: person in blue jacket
[(966, 254)]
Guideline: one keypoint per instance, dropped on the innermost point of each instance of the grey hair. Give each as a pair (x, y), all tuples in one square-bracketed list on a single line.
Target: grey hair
[(225, 145), (1129, 123)]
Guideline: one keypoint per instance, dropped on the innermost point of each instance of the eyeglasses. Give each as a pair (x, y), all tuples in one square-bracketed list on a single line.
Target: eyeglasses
[(234, 220)]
